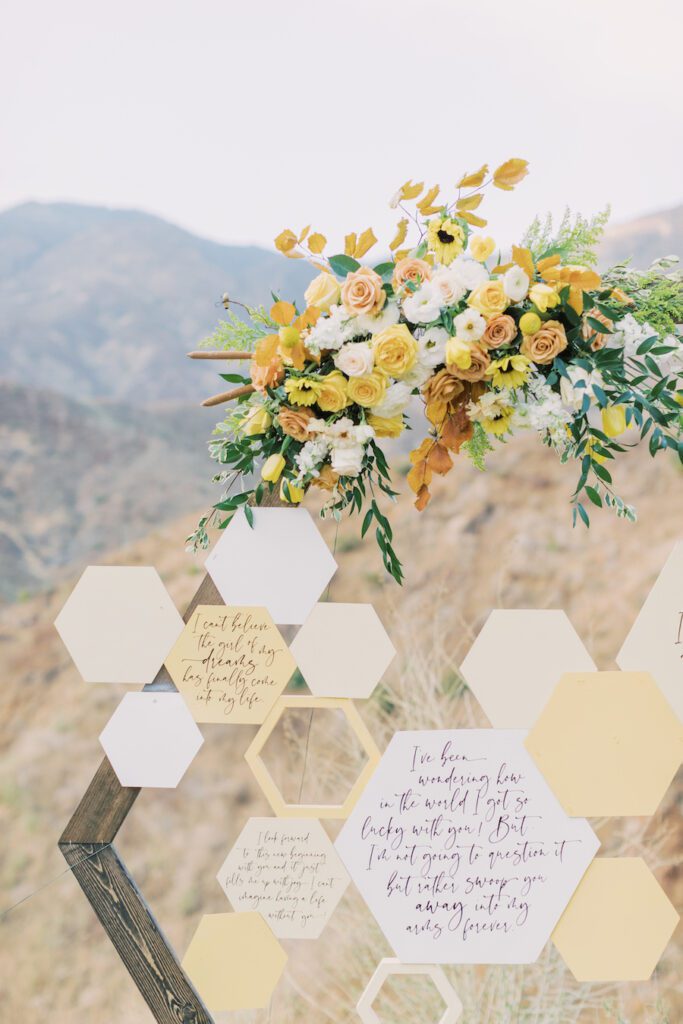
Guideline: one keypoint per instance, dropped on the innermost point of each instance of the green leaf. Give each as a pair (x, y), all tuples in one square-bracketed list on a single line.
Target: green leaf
[(234, 378), (584, 515), (249, 513), (343, 265), (598, 327), (594, 496), (385, 269)]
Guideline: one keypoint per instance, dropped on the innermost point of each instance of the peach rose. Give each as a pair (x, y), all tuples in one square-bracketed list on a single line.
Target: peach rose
[(444, 386), (596, 339), (362, 292), (327, 478), (410, 269), (269, 376), (499, 331), (479, 364), (294, 422), (544, 345)]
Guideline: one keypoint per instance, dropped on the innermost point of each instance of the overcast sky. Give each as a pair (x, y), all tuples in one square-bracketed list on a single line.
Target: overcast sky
[(238, 119)]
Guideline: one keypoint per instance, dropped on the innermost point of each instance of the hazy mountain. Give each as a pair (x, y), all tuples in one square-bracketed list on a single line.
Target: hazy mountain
[(644, 239)]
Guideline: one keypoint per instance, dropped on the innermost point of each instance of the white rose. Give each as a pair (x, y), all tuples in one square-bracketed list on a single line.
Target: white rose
[(469, 272), (432, 347), (470, 325), (423, 305), (515, 284), (396, 398), (355, 359), (387, 317), (449, 286), (348, 460)]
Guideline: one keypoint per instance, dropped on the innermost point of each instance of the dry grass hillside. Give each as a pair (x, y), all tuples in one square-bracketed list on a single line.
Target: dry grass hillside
[(497, 540)]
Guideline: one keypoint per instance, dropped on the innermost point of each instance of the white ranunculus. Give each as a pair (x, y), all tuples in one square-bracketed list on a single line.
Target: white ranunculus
[(355, 359), (449, 285), (432, 347), (469, 272), (422, 306), (470, 325), (515, 284), (348, 459), (387, 317), (396, 398), (577, 384)]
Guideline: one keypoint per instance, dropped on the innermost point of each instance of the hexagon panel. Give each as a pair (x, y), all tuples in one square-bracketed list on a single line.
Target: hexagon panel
[(390, 967), (343, 650), (608, 743), (289, 872), (281, 564), (118, 624), (230, 664), (460, 849), (265, 780), (151, 739), (617, 923), (234, 961), (655, 641), (516, 660)]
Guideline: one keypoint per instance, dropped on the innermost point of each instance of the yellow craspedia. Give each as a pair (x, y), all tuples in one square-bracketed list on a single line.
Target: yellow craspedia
[(303, 390), (529, 323), (257, 421), (445, 238), (271, 470), (333, 395), (387, 426), (395, 350), (458, 353), (289, 337), (369, 389), (614, 420), (543, 296), (481, 247), (291, 494), (489, 299)]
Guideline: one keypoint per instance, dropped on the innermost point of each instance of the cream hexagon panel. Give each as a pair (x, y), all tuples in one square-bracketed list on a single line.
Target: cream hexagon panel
[(389, 968), (230, 664), (288, 871), (343, 650), (617, 922), (151, 739), (118, 624), (281, 563), (608, 743), (516, 660), (460, 849), (655, 641)]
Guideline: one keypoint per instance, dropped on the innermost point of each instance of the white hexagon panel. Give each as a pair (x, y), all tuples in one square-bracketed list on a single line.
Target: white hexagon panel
[(288, 871), (151, 739), (281, 563), (342, 650), (655, 641), (516, 660), (461, 850), (390, 968), (118, 624)]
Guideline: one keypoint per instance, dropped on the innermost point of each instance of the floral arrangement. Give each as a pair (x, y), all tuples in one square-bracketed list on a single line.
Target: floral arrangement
[(489, 344)]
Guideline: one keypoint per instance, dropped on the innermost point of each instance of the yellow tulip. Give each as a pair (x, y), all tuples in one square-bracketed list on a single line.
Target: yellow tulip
[(291, 494), (529, 323), (458, 353), (614, 420), (543, 297), (257, 421), (271, 470)]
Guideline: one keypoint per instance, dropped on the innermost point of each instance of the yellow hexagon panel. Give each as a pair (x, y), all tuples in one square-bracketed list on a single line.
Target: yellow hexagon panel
[(234, 961), (230, 664), (608, 743), (265, 780), (617, 923)]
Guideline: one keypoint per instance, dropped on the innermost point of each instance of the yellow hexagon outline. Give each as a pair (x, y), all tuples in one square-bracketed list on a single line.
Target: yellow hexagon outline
[(265, 780)]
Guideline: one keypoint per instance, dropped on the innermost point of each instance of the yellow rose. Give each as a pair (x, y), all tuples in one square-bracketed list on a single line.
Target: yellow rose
[(333, 395), (529, 323), (387, 426), (489, 299), (369, 389), (271, 469), (481, 247), (291, 494), (257, 421), (458, 353), (323, 292), (395, 350), (543, 297)]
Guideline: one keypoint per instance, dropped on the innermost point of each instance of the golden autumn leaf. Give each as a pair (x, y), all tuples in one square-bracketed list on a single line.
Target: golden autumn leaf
[(365, 242), (469, 202), (285, 241), (419, 476), (523, 258), (350, 244), (547, 262), (426, 204), (282, 313), (401, 232), (320, 266), (422, 450), (475, 179), (266, 349), (439, 460), (401, 254), (410, 191), (501, 268), (294, 255), (316, 243), (456, 430), (422, 499), (510, 173), (436, 412), (308, 318), (471, 218), (304, 233)]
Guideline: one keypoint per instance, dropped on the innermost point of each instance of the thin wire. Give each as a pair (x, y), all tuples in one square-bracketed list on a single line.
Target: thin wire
[(56, 878), (308, 740)]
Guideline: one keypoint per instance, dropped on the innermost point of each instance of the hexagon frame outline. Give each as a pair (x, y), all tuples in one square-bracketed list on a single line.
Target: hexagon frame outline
[(279, 805), (390, 966)]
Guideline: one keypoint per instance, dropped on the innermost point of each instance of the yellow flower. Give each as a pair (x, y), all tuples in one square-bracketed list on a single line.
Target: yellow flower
[(395, 350), (458, 353), (445, 238), (529, 323), (498, 424), (387, 426), (333, 395), (369, 389), (291, 494), (481, 247), (580, 279), (257, 421), (489, 299), (509, 371), (323, 292), (614, 420), (303, 390), (543, 297), (271, 469)]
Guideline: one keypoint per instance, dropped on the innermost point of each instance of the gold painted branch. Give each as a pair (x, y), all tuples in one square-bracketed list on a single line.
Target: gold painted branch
[(227, 396), (230, 354)]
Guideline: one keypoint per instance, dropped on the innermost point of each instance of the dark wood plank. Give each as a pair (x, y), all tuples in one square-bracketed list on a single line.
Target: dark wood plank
[(102, 810)]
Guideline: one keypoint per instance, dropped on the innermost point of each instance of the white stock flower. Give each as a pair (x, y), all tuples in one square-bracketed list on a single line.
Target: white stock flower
[(515, 284), (348, 460), (387, 317), (469, 272), (422, 306), (577, 384), (470, 325), (396, 399), (311, 456), (330, 332), (355, 359), (449, 286)]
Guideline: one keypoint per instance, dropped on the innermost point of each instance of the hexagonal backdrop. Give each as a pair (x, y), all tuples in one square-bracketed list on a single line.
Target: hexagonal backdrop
[(151, 739), (230, 664), (655, 641), (118, 624), (343, 650), (282, 564), (288, 871), (460, 849), (617, 923), (608, 743), (516, 660), (234, 961), (390, 967)]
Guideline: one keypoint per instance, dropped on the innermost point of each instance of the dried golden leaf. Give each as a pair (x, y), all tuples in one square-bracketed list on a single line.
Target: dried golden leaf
[(294, 255), (316, 243), (266, 349), (285, 241), (548, 262), (423, 498), (475, 179), (436, 412), (419, 476), (422, 451), (501, 268), (304, 233), (426, 204), (308, 318), (320, 266), (510, 173), (471, 218), (282, 313), (439, 460), (401, 254), (350, 244), (456, 430), (469, 202), (401, 232), (410, 191), (365, 242), (523, 258)]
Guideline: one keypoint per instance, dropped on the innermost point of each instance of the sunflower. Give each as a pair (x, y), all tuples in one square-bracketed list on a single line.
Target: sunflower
[(509, 371), (499, 423), (445, 238), (303, 390)]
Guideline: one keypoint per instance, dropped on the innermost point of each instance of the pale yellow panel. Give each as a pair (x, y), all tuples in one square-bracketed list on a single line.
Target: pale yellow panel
[(234, 961), (608, 743), (617, 923), (230, 664)]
